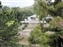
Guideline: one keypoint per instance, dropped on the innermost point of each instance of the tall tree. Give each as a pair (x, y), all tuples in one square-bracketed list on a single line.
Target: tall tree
[(8, 28), (45, 7)]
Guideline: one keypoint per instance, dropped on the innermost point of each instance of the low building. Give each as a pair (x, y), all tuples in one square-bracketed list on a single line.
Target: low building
[(32, 19)]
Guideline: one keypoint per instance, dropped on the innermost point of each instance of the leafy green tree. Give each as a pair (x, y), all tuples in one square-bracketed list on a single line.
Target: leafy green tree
[(38, 37), (22, 13), (9, 21), (17, 13), (8, 28), (55, 9)]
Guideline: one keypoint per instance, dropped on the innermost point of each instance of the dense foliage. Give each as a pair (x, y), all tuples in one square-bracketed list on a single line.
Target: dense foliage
[(20, 13), (23, 13), (9, 23), (8, 28), (41, 35)]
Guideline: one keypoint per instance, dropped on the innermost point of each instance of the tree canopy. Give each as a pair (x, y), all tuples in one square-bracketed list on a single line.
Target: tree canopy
[(9, 23), (42, 9)]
